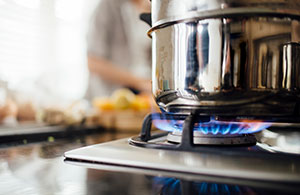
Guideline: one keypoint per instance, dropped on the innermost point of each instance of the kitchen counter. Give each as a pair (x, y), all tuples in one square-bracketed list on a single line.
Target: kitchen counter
[(39, 168)]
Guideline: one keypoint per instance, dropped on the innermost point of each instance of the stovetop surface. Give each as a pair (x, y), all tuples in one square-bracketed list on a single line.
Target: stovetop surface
[(260, 162), (39, 168)]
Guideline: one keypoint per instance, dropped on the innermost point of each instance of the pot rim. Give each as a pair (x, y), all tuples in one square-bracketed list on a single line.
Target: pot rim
[(223, 13)]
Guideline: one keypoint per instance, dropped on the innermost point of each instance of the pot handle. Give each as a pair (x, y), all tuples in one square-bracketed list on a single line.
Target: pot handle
[(146, 17)]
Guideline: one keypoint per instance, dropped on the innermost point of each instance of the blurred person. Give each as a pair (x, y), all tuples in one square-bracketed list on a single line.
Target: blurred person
[(119, 51)]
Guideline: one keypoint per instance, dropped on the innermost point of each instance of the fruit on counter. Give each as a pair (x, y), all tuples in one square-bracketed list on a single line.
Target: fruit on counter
[(141, 102), (124, 99), (103, 104), (122, 111)]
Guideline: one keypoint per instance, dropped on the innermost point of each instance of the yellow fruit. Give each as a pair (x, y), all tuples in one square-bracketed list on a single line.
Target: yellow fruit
[(141, 102), (135, 105), (123, 98), (103, 104)]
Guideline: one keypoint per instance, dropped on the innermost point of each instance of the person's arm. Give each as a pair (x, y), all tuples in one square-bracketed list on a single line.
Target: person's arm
[(111, 73)]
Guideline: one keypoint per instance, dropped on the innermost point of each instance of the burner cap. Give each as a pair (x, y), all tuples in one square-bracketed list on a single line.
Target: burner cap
[(210, 139)]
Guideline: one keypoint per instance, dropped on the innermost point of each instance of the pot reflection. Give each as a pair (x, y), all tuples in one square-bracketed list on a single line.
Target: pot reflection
[(163, 185)]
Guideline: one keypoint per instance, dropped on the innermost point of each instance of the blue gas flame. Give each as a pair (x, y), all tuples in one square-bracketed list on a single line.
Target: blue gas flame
[(214, 127), (173, 186)]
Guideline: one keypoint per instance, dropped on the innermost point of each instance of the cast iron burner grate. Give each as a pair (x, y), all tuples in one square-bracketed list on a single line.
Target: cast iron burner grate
[(187, 139)]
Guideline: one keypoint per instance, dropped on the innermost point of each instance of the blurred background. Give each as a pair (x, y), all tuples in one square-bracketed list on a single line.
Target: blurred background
[(45, 60), (43, 47), (44, 78)]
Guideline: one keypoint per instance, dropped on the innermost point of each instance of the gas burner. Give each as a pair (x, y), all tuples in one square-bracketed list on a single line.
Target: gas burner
[(210, 139), (189, 132)]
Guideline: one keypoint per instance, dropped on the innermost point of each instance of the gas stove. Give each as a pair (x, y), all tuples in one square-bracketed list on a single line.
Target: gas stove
[(223, 73), (191, 146)]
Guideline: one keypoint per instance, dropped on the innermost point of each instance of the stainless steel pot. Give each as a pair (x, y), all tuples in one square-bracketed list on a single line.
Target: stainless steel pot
[(227, 57)]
